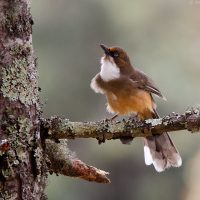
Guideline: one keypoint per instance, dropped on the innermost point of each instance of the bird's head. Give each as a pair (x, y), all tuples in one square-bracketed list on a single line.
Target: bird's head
[(115, 62), (118, 55)]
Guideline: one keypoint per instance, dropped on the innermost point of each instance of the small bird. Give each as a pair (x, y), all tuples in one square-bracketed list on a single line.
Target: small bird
[(129, 91)]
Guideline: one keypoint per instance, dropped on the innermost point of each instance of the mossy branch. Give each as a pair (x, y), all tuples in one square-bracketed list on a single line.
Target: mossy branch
[(58, 128)]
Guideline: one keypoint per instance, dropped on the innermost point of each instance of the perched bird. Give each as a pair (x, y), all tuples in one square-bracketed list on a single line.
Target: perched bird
[(129, 91)]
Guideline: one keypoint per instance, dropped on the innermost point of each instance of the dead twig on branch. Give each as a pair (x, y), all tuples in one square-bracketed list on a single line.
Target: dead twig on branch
[(62, 161)]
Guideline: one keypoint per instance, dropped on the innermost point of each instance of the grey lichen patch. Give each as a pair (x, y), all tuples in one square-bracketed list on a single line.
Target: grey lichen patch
[(113, 127), (19, 75), (24, 130), (60, 124), (59, 156), (66, 126), (20, 131), (20, 138), (154, 122)]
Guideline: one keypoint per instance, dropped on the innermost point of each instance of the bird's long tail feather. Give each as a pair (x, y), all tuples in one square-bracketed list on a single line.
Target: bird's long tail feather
[(161, 152)]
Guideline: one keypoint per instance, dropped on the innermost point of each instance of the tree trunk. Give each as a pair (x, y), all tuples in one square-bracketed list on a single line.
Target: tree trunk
[(22, 165)]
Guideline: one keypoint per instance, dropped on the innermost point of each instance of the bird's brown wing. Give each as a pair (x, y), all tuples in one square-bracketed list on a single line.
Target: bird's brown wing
[(143, 82)]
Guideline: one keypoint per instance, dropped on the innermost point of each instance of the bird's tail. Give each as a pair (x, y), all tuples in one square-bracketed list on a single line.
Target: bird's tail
[(161, 152)]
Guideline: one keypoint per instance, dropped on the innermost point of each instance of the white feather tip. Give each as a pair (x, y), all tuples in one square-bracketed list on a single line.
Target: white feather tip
[(147, 156)]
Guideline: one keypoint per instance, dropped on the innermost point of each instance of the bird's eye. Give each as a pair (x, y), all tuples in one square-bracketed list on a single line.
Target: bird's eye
[(115, 54)]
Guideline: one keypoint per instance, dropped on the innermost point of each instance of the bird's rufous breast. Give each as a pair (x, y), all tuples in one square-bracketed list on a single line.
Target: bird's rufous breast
[(138, 101)]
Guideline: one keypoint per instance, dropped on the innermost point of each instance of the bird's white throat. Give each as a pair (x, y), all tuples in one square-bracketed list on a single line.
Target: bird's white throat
[(109, 70)]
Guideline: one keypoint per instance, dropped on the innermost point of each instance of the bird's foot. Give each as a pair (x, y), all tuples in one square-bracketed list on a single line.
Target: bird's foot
[(135, 117), (111, 119)]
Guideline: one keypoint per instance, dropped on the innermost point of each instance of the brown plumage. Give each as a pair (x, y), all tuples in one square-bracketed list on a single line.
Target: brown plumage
[(129, 91)]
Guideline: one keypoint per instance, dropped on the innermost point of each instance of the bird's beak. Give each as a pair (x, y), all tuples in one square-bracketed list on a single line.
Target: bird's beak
[(105, 49)]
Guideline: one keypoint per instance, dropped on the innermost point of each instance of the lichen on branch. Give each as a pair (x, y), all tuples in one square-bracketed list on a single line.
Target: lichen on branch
[(59, 128)]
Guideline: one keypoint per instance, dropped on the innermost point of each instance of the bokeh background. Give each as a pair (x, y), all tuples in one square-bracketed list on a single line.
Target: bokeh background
[(162, 39)]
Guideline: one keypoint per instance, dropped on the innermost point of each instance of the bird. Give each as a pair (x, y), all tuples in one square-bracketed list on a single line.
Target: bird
[(130, 91)]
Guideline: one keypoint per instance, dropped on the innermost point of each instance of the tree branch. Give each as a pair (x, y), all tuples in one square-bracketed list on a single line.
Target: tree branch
[(62, 161), (59, 128)]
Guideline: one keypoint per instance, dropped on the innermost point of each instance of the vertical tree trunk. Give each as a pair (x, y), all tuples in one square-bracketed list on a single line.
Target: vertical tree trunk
[(22, 165)]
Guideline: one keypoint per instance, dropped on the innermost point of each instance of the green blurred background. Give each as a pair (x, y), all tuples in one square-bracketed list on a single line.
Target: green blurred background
[(162, 39)]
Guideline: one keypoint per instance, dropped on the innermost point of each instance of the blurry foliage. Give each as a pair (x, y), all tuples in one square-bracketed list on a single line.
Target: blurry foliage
[(162, 39)]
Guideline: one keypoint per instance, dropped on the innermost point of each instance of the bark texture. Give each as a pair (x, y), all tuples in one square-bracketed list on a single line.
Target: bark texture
[(22, 164)]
